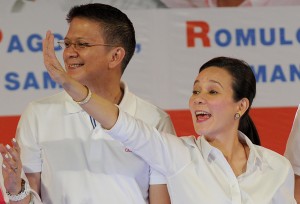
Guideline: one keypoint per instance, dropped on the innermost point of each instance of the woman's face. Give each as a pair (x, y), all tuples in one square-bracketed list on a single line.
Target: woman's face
[(212, 105)]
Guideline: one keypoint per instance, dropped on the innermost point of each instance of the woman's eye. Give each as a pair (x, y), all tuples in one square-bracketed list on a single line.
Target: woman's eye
[(196, 92)]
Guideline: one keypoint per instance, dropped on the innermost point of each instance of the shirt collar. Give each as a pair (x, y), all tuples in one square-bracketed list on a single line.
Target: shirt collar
[(70, 106), (128, 102), (255, 159)]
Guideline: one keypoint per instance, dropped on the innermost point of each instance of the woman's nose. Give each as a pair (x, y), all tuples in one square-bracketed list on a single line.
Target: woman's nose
[(199, 99)]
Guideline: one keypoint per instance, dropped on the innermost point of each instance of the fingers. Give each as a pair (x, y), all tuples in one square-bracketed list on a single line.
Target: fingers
[(11, 158), (48, 46), (16, 145), (47, 52), (45, 46), (11, 166), (51, 62)]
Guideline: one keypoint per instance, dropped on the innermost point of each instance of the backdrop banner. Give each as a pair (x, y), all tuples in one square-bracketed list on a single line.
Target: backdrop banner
[(171, 46)]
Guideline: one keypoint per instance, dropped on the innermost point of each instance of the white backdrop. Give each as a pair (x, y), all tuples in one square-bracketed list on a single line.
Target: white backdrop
[(172, 45), (164, 65)]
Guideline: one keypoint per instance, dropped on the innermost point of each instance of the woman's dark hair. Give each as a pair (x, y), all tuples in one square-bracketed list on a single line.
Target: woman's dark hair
[(116, 27), (243, 85)]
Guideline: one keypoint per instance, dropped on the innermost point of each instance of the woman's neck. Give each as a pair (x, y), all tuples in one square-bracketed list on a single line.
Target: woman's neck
[(235, 152)]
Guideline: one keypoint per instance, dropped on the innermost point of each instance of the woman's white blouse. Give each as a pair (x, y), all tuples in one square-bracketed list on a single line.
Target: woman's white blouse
[(199, 173)]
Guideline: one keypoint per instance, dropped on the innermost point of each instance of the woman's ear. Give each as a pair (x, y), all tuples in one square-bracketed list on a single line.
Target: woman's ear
[(117, 55), (243, 105)]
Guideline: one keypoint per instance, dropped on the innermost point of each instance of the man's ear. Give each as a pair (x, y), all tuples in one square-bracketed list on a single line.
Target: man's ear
[(117, 55)]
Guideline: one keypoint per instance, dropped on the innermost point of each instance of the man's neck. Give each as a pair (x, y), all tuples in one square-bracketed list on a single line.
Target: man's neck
[(111, 91)]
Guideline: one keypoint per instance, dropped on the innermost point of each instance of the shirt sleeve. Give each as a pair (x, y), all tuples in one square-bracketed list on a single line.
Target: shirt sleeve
[(285, 193), (292, 150), (164, 152), (166, 125)]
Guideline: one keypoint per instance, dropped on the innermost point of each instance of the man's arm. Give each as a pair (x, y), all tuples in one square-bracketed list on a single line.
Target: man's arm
[(34, 180), (297, 188), (158, 194)]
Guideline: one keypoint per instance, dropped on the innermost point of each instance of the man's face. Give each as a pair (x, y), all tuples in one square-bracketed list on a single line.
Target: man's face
[(89, 63)]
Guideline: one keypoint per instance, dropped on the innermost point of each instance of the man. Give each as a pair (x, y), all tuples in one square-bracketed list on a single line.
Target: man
[(77, 162)]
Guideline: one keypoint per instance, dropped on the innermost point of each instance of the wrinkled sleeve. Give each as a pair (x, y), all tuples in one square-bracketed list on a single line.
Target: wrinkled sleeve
[(165, 125), (164, 152)]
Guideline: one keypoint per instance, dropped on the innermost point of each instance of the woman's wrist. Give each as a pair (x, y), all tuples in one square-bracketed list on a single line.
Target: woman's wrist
[(20, 195), (16, 189), (86, 99), (80, 93)]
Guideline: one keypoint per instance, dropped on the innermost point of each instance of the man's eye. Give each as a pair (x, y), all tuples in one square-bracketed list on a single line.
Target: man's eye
[(213, 92), (67, 44), (82, 44)]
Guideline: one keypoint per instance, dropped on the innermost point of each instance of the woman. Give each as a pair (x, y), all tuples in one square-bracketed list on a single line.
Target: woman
[(220, 166)]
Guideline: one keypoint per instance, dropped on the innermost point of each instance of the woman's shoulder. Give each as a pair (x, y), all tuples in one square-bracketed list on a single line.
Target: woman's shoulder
[(274, 159)]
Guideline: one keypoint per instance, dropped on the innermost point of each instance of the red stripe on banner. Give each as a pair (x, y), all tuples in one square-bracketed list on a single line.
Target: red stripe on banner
[(273, 125), (1, 198), (8, 125)]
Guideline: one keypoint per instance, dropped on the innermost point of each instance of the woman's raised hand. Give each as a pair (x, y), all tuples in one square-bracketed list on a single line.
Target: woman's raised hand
[(51, 62)]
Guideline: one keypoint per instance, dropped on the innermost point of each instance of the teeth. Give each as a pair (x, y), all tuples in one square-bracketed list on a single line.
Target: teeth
[(201, 113), (74, 65)]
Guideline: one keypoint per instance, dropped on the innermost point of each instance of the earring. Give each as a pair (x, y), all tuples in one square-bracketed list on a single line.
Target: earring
[(237, 116)]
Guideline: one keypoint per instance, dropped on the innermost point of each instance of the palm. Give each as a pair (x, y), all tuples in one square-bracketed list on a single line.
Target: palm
[(51, 62), (11, 178)]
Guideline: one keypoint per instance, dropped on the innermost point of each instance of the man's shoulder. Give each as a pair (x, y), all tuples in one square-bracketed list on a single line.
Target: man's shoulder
[(54, 98), (147, 112), (48, 102), (134, 104), (144, 105)]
